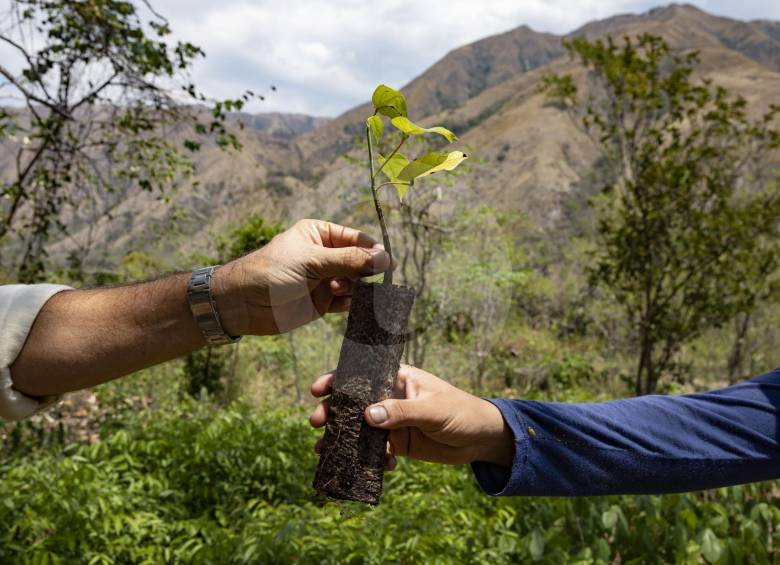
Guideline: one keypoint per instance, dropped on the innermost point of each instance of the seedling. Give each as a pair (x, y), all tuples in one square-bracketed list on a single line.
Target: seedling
[(352, 462), (395, 167)]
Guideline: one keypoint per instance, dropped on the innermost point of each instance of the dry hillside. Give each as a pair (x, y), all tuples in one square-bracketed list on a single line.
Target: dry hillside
[(528, 156)]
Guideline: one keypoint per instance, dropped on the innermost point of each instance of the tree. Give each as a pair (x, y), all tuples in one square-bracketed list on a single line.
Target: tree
[(688, 214), (105, 95), (254, 233), (759, 280)]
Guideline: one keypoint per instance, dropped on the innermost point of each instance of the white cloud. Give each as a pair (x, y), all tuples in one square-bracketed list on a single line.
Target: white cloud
[(326, 55)]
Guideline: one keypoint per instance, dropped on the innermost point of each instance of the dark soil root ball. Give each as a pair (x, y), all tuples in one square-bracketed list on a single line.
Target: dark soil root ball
[(352, 459)]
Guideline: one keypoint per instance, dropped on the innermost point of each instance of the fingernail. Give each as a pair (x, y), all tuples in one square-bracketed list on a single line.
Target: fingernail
[(378, 246), (378, 414), (379, 258), (376, 251)]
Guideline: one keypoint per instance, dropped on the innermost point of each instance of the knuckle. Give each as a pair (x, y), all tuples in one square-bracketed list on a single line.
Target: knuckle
[(397, 411), (356, 256)]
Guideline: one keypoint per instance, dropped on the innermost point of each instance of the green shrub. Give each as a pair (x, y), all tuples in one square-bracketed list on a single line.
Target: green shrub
[(197, 485), (204, 369), (253, 234)]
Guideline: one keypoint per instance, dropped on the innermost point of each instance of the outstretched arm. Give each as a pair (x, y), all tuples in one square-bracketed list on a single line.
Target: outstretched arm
[(649, 444), (81, 338)]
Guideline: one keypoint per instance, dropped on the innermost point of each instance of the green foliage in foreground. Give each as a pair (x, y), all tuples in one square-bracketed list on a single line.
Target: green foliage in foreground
[(195, 485)]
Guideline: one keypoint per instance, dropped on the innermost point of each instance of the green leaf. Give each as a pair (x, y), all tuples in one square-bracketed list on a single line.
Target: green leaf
[(402, 189), (536, 547), (610, 518), (374, 123), (711, 548), (431, 163), (408, 127), (394, 166), (389, 101), (392, 169)]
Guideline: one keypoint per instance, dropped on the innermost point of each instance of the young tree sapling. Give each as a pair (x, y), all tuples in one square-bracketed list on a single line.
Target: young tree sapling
[(352, 459)]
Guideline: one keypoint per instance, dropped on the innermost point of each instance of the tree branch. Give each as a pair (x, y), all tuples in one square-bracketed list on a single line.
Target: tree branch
[(30, 96), (30, 62)]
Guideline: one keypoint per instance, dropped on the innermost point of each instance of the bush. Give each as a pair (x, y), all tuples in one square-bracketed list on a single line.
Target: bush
[(196, 485), (204, 369)]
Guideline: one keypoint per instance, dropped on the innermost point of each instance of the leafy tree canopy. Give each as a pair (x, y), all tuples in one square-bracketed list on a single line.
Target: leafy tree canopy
[(689, 225), (108, 105)]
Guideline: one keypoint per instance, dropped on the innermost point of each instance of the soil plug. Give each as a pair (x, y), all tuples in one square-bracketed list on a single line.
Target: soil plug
[(353, 453)]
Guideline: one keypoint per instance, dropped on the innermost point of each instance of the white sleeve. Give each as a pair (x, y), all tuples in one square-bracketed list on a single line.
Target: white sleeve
[(19, 306)]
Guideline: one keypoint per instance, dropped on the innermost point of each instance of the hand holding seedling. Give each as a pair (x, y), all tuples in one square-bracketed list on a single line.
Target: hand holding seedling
[(82, 338), (431, 420), (302, 274)]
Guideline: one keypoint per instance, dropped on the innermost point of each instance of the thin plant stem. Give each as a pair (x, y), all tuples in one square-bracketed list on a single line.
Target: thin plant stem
[(397, 147), (388, 280)]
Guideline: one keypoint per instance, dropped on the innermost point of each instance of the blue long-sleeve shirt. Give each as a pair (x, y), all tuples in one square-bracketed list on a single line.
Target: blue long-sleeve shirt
[(645, 445)]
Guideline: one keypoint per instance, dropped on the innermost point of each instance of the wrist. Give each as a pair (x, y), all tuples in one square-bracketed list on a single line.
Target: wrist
[(498, 445), (229, 298)]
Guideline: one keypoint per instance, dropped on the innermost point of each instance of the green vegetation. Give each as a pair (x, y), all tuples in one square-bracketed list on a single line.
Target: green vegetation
[(191, 484), (688, 232)]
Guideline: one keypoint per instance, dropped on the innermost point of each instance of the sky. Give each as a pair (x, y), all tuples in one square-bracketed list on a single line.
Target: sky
[(326, 56)]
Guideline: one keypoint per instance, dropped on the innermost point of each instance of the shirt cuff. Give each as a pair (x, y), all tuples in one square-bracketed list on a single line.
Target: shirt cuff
[(497, 480), (19, 307)]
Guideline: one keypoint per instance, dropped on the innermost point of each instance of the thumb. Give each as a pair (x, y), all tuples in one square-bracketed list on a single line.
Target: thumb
[(351, 262), (391, 414)]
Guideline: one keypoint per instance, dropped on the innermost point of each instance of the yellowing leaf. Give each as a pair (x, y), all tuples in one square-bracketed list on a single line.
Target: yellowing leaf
[(374, 123), (402, 189), (389, 101), (392, 169), (394, 166), (408, 127), (431, 163)]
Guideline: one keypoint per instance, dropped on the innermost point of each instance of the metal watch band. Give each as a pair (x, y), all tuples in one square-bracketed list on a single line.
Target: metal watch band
[(204, 309)]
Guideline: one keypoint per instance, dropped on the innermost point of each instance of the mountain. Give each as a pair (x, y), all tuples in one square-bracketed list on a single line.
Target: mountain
[(529, 155), (277, 124), (461, 75), (687, 27), (228, 185), (526, 155)]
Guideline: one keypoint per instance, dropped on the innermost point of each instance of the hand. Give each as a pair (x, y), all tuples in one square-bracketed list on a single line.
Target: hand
[(302, 274), (430, 419)]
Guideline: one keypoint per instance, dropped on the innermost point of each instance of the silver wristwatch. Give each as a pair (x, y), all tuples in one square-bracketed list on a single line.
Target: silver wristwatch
[(204, 308)]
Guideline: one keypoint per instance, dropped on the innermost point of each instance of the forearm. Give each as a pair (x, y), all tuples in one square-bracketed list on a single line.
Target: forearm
[(648, 445), (86, 337), (82, 338)]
